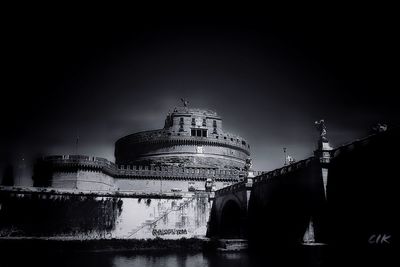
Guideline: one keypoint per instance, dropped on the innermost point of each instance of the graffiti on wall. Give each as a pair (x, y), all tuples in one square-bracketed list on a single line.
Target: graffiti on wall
[(161, 232)]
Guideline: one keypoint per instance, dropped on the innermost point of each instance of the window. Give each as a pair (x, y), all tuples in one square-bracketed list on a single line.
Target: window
[(215, 126), (193, 121), (198, 132), (204, 122), (181, 122)]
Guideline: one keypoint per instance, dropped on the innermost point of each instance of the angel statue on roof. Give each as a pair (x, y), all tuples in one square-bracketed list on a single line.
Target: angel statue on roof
[(185, 102)]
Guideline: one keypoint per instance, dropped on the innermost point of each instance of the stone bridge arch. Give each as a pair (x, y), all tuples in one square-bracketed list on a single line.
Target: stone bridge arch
[(229, 213), (231, 220)]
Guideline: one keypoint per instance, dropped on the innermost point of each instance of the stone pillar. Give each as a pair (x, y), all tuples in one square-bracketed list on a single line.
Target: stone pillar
[(210, 188), (248, 180), (249, 185), (323, 152)]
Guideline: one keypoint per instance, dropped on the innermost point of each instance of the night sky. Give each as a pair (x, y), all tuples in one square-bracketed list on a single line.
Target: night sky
[(101, 78)]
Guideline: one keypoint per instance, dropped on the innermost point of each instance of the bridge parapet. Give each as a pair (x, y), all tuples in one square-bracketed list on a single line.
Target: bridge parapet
[(232, 188), (286, 169), (351, 146)]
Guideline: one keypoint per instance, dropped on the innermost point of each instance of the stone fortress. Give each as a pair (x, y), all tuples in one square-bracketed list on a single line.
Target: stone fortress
[(191, 153), (192, 179)]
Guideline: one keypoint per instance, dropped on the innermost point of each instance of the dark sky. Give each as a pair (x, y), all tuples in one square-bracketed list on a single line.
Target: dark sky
[(102, 77)]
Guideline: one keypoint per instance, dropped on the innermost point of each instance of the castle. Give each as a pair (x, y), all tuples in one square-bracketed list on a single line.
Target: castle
[(192, 179), (191, 153)]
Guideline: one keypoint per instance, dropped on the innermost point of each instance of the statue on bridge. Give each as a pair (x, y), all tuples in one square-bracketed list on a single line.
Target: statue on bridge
[(380, 127), (248, 164), (290, 160), (320, 125)]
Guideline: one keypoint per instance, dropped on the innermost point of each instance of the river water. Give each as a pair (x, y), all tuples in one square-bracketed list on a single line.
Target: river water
[(157, 259), (307, 256)]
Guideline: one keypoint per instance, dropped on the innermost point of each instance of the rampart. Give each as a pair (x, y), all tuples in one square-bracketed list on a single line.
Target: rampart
[(73, 162), (94, 173)]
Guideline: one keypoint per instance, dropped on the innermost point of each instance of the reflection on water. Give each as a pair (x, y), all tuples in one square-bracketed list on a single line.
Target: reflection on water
[(196, 260), (155, 259), (310, 256), (183, 260)]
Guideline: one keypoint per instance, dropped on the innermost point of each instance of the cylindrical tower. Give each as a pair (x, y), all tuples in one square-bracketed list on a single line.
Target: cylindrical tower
[(191, 137)]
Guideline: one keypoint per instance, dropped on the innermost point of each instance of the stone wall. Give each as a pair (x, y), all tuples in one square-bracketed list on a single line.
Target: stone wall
[(90, 215), (57, 214), (159, 185), (91, 173), (132, 150), (83, 180), (164, 218)]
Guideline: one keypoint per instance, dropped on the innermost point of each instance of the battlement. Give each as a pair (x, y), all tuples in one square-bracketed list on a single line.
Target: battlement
[(173, 172), (81, 162)]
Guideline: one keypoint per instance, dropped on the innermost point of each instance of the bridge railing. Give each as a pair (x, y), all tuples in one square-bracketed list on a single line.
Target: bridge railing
[(264, 176), (350, 146), (232, 188), (283, 170)]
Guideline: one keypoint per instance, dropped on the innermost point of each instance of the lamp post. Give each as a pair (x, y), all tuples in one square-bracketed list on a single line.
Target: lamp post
[(284, 152)]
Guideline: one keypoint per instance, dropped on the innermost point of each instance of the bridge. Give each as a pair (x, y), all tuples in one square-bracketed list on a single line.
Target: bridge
[(342, 193), (269, 203)]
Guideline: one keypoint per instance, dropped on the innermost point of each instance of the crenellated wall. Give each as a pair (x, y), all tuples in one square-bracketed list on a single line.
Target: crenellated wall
[(93, 173)]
